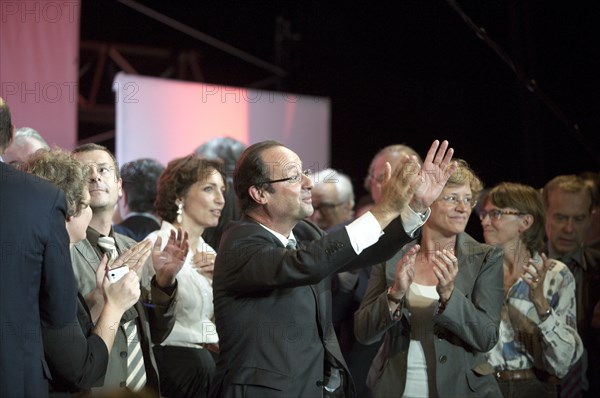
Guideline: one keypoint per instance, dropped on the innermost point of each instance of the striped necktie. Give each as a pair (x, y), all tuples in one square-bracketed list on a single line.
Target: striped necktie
[(107, 245), (136, 373)]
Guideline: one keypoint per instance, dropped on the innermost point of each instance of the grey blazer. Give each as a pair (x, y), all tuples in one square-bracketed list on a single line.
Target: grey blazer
[(465, 330), (154, 322)]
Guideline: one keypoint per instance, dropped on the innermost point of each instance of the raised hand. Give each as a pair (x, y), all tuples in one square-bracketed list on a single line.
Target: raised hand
[(405, 273), (168, 262), (446, 269), (433, 174), (397, 189)]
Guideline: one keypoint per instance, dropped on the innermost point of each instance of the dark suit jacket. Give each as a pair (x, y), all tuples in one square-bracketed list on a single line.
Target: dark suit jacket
[(36, 280), (77, 358), (588, 295), (465, 330), (137, 227), (154, 314), (273, 308)]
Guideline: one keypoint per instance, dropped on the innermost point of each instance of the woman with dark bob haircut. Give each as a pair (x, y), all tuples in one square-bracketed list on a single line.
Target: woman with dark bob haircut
[(538, 332), (190, 195)]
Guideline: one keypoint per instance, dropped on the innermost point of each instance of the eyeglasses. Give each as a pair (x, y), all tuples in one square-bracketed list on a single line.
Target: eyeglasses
[(496, 214), (291, 180), (102, 170), (454, 200)]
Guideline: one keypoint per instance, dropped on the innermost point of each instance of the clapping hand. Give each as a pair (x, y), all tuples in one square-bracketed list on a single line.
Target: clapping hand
[(534, 274), (405, 272), (134, 258), (446, 269), (168, 262)]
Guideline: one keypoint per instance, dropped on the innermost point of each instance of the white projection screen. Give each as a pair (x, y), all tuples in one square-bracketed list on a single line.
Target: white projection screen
[(165, 119)]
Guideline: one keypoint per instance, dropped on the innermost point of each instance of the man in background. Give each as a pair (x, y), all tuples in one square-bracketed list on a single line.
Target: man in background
[(25, 142), (136, 206), (569, 203), (332, 199)]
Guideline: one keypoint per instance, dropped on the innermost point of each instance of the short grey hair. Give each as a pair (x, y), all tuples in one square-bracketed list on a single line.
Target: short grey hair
[(343, 184), (394, 149), (28, 132)]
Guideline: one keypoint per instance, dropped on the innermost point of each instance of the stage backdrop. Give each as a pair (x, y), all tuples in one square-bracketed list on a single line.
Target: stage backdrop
[(164, 119), (39, 51)]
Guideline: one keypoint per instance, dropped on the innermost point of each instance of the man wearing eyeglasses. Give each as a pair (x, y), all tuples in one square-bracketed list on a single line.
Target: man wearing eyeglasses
[(271, 283), (332, 199), (569, 204)]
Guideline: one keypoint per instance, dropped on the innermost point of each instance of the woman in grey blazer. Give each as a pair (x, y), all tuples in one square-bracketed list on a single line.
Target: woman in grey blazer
[(438, 304)]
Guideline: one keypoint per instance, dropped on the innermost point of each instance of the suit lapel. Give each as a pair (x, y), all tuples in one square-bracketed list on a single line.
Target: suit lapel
[(469, 253), (88, 254)]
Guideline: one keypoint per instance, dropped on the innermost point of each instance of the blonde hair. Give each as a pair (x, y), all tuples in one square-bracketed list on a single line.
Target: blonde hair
[(63, 170), (465, 175)]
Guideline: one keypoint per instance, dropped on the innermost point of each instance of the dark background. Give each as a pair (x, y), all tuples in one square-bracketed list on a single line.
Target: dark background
[(407, 72)]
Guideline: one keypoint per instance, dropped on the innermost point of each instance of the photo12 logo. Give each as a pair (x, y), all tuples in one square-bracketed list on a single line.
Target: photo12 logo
[(37, 92), (39, 11)]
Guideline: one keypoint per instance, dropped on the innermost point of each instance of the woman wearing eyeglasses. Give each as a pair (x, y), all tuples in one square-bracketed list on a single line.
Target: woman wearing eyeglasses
[(538, 333), (438, 304)]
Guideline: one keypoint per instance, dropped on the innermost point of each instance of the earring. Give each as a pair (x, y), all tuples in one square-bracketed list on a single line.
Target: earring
[(179, 212)]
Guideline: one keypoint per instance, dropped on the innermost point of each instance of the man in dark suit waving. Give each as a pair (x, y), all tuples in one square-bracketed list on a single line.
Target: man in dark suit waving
[(37, 288), (271, 280)]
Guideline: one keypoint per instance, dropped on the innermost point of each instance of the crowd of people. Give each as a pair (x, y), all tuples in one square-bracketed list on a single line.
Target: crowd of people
[(234, 272)]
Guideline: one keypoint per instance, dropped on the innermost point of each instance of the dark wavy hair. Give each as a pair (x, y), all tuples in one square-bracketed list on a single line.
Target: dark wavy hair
[(63, 170), (176, 180)]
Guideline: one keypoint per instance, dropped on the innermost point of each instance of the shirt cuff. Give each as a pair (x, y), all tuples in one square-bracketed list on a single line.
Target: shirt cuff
[(364, 232), (412, 220)]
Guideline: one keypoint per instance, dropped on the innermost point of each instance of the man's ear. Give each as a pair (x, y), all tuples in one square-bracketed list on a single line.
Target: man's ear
[(120, 186), (260, 196)]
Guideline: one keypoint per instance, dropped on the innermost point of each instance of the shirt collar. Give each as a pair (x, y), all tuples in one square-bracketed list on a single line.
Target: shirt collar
[(92, 235), (284, 241)]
